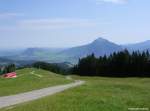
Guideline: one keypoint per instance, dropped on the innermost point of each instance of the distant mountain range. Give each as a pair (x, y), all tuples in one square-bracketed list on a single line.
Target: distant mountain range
[(142, 46), (99, 47)]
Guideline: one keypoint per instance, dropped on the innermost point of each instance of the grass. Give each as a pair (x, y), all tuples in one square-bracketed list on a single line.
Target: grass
[(97, 94), (26, 81)]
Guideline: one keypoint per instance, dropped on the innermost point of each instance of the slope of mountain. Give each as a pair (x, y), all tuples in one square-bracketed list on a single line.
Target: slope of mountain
[(40, 51), (99, 47), (141, 46), (38, 54)]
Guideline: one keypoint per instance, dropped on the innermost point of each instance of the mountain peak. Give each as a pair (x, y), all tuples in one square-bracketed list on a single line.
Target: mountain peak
[(100, 39)]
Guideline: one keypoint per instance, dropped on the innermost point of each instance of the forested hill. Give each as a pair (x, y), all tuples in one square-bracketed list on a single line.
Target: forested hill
[(121, 64)]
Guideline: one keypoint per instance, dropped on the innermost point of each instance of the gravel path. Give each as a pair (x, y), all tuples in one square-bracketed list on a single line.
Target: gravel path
[(32, 95)]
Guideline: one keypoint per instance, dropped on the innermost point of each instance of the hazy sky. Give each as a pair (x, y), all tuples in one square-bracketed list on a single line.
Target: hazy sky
[(66, 23)]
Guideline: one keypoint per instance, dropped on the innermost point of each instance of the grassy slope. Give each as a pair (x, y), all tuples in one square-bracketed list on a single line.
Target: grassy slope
[(106, 94), (27, 81)]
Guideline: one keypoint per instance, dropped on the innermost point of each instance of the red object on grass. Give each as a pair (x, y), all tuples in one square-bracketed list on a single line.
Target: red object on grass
[(10, 75)]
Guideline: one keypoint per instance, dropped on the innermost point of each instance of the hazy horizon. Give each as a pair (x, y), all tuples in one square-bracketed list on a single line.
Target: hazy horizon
[(68, 23), (49, 47)]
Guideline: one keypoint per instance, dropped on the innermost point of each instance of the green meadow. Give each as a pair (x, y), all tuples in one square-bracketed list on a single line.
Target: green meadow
[(97, 94), (30, 79)]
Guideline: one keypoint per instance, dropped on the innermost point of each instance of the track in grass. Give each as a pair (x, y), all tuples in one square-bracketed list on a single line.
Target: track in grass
[(28, 82), (97, 94), (32, 95)]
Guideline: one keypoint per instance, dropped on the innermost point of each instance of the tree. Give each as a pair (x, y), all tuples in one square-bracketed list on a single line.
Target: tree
[(7, 69)]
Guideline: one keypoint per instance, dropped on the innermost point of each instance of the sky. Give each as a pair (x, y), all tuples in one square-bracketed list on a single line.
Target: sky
[(68, 23)]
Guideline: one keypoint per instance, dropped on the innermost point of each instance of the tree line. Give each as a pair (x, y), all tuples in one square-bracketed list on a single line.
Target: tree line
[(50, 67), (118, 64), (7, 69)]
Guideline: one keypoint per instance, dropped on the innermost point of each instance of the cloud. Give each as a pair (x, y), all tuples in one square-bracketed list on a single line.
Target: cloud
[(10, 15), (112, 1), (55, 23)]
